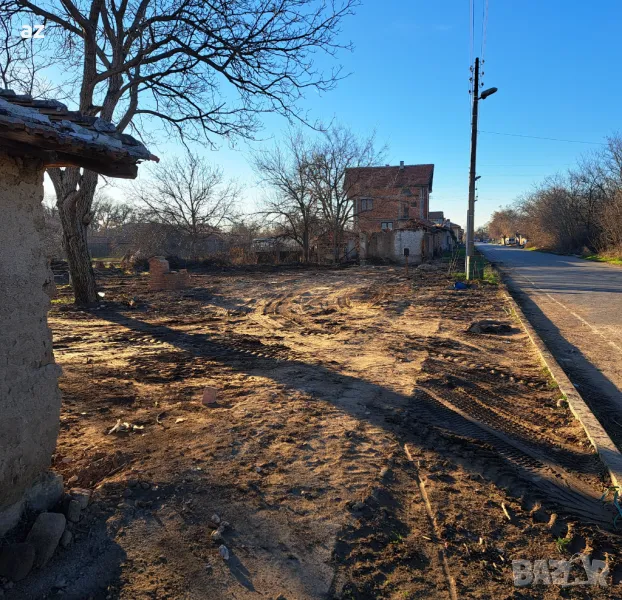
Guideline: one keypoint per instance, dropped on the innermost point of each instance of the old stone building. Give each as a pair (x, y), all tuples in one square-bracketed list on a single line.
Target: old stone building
[(35, 135)]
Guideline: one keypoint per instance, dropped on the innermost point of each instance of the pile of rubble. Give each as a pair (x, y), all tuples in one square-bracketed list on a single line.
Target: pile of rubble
[(162, 278)]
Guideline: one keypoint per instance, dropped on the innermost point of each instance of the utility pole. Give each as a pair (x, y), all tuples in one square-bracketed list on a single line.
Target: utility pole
[(470, 233)]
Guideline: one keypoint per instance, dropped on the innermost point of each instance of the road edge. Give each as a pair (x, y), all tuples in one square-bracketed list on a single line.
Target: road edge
[(599, 438)]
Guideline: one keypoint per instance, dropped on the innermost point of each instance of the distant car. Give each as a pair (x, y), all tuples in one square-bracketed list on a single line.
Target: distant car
[(511, 242)]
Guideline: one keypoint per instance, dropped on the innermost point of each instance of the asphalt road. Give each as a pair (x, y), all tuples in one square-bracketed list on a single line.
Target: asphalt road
[(576, 307)]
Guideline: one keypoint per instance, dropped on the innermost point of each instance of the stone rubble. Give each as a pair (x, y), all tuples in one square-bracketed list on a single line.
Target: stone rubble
[(72, 511), (45, 536)]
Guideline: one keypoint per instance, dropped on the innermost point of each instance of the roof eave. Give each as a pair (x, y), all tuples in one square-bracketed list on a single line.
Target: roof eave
[(54, 153)]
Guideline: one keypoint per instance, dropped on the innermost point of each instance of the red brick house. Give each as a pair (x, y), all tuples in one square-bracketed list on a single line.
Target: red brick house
[(386, 198)]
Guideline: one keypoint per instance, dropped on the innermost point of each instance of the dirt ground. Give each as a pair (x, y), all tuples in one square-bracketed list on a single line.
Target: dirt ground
[(364, 444)]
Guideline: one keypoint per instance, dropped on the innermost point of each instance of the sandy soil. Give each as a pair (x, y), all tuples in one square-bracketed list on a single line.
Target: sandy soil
[(364, 444)]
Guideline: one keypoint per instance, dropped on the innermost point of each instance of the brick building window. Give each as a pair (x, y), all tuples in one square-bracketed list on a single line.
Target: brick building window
[(386, 225), (403, 210), (366, 204)]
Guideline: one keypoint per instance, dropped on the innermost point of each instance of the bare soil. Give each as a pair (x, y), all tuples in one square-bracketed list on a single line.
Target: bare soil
[(364, 444)]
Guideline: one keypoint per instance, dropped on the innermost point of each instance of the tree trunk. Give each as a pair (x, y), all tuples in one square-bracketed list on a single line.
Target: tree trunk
[(74, 194), (78, 257), (305, 246)]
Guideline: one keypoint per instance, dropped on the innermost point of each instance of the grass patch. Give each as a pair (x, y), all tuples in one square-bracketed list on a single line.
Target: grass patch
[(490, 275), (612, 260), (63, 300), (562, 544), (551, 384), (483, 271)]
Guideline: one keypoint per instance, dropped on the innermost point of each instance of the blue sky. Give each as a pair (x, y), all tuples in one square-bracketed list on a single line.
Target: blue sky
[(556, 64)]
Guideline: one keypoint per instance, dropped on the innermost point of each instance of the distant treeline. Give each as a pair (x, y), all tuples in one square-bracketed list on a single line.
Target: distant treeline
[(579, 211)]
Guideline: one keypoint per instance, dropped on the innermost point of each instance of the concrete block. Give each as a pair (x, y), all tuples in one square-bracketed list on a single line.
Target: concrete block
[(45, 536), (72, 511), (81, 495)]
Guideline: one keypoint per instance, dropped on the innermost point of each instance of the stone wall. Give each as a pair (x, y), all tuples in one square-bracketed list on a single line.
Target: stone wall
[(29, 394)]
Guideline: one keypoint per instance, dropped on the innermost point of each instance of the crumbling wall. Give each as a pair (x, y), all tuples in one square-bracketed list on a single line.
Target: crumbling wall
[(411, 239), (380, 245), (29, 394), (162, 278), (389, 245)]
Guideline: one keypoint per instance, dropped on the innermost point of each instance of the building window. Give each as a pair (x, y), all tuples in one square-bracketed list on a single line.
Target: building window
[(404, 210), (366, 204), (387, 225)]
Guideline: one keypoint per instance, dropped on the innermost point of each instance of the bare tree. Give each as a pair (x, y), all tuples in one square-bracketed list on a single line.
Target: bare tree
[(292, 205), (576, 211), (52, 230), (190, 195), (482, 232), (203, 68), (504, 223), (337, 150), (23, 60), (109, 214)]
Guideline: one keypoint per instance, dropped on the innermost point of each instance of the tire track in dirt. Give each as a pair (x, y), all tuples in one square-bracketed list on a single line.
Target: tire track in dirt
[(465, 388), (554, 483), (451, 583), (466, 408), (301, 311)]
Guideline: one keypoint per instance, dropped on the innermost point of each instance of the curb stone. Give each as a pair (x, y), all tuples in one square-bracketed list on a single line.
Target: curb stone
[(599, 438)]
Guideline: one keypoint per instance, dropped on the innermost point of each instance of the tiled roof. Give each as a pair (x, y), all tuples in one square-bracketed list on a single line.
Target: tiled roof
[(62, 138), (379, 177)]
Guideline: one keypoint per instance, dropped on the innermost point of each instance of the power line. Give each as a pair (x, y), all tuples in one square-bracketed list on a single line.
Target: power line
[(492, 175), (472, 27), (515, 165), (536, 137), (484, 28)]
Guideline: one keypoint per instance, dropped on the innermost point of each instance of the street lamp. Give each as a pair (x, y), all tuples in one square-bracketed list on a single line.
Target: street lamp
[(472, 177), (488, 92)]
